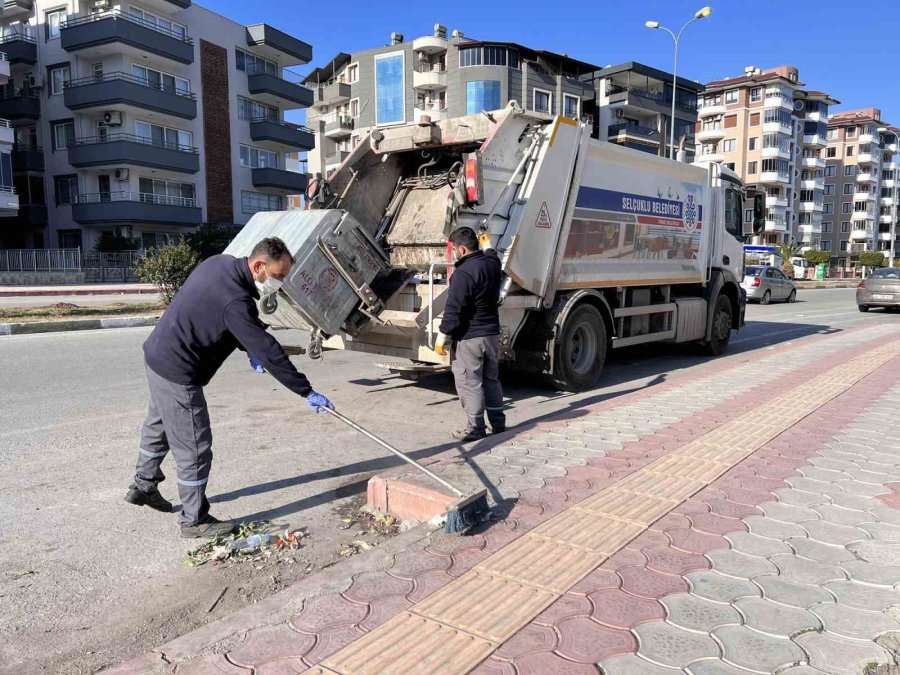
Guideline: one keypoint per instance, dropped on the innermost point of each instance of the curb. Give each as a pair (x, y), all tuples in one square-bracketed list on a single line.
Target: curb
[(76, 324), (814, 285), (61, 292)]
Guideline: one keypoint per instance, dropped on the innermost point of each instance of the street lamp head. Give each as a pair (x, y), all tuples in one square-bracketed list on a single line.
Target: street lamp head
[(651, 24), (703, 13)]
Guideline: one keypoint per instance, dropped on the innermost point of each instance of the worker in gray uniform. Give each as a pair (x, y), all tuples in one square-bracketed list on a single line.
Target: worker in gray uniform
[(471, 326), (213, 314)]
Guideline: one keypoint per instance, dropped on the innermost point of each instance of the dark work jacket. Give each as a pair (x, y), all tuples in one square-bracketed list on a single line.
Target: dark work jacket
[(473, 301), (213, 314)]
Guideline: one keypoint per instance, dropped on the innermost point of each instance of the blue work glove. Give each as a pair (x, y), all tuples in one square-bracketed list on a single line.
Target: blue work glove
[(256, 365), (317, 402)]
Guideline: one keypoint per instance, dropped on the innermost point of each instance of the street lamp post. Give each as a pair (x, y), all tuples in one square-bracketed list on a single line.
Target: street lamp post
[(701, 14), (895, 194)]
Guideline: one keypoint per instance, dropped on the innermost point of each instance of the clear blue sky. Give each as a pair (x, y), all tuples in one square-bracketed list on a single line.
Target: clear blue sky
[(864, 71)]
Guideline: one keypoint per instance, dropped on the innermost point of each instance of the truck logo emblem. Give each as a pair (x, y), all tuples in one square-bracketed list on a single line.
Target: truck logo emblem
[(690, 214), (543, 219), (328, 279)]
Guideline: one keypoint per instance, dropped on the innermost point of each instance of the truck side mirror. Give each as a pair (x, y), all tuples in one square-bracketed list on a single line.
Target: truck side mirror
[(758, 224)]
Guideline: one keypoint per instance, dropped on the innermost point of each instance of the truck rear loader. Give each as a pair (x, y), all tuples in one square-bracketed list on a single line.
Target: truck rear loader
[(602, 247)]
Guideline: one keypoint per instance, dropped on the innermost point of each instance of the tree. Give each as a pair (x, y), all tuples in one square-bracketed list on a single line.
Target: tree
[(113, 243), (167, 268), (211, 239), (788, 250), (816, 257), (872, 259)]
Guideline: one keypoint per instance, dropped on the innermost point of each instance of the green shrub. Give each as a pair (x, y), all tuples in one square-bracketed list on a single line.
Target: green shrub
[(167, 268), (815, 257), (211, 239), (872, 259)]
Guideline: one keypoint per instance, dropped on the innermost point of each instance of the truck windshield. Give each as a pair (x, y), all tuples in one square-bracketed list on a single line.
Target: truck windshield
[(733, 212)]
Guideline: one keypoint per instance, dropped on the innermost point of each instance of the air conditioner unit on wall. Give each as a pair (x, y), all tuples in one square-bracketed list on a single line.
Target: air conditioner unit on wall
[(620, 112), (112, 118), (121, 174)]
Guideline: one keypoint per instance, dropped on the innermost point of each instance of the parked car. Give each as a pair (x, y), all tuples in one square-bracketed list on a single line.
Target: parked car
[(879, 289), (764, 284)]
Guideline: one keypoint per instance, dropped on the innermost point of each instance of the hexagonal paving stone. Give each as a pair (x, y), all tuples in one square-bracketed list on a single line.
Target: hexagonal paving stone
[(752, 544), (668, 645), (829, 533), (816, 550), (696, 613), (720, 588), (775, 619), (634, 665), (762, 653), (787, 592), (806, 571), (732, 563), (853, 623), (864, 597), (614, 607), (840, 656), (773, 529)]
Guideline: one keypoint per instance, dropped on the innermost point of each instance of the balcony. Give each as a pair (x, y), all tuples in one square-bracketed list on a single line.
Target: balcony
[(887, 201), (711, 157), (782, 153), (332, 94), (812, 184), (779, 201), (17, 9), (19, 46), (283, 92), (281, 136), (776, 225), (777, 128), (430, 77), (29, 215), (812, 162), (338, 126), (336, 157), (24, 107), (814, 140), (861, 234), (710, 134), (774, 177), (885, 219), (863, 195), (114, 89), (812, 207), (779, 101), (115, 149), (865, 177), (167, 6), (277, 46), (888, 182), (135, 207), (9, 201), (862, 215), (434, 111), (281, 179), (7, 136), (626, 133), (884, 236), (705, 111), (866, 158), (430, 44), (116, 28), (645, 99), (27, 158), (868, 137)]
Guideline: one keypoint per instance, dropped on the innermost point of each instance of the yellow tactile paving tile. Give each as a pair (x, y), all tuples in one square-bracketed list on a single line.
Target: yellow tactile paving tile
[(474, 614), (622, 504), (551, 565), (590, 531), (485, 605), (409, 643), (318, 670)]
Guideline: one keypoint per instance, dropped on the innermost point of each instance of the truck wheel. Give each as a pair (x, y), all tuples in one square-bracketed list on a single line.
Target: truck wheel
[(721, 328), (580, 350)]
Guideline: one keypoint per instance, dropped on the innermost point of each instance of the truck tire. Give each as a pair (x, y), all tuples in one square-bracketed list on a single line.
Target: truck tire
[(721, 327), (580, 350)]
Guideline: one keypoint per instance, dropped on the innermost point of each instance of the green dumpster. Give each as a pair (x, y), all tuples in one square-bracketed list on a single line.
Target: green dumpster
[(821, 271)]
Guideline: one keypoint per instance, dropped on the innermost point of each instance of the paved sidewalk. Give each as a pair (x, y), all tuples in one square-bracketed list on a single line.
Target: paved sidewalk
[(741, 520), (84, 289)]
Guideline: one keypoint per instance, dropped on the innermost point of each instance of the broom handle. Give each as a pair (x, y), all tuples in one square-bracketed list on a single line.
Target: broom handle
[(387, 446)]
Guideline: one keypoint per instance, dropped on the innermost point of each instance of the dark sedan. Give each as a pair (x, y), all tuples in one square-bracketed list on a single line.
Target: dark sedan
[(879, 289)]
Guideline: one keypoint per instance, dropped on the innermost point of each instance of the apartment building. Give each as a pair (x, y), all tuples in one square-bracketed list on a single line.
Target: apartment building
[(634, 109), (771, 131), (860, 185), (145, 119), (435, 76), (9, 200)]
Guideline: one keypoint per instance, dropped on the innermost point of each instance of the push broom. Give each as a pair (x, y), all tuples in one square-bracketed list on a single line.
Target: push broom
[(462, 514)]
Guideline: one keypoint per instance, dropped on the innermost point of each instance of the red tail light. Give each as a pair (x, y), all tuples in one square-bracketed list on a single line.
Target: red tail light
[(474, 189), (756, 282)]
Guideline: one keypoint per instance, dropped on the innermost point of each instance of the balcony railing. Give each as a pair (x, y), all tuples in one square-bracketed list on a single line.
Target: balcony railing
[(13, 34), (133, 138), (432, 107), (124, 16), (638, 130), (145, 197), (430, 68), (656, 96), (119, 76)]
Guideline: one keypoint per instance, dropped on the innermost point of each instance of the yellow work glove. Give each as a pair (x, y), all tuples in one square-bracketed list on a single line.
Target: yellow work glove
[(441, 346)]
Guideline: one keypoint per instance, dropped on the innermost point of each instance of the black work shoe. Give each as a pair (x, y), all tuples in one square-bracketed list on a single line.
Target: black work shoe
[(498, 429), (152, 499), (466, 436), (209, 529)]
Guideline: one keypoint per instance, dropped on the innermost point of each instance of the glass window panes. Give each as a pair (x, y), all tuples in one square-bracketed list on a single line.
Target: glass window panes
[(390, 96), (254, 202), (58, 77), (53, 21), (256, 158), (63, 134), (166, 192), (570, 106), (542, 101), (495, 56), (254, 64), (469, 56), (66, 188), (160, 23), (160, 135), (482, 95), (254, 110)]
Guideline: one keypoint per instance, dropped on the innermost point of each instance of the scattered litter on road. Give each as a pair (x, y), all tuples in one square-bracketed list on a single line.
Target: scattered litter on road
[(254, 541), (216, 601)]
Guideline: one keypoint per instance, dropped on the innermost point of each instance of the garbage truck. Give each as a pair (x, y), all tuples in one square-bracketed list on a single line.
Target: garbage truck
[(602, 247)]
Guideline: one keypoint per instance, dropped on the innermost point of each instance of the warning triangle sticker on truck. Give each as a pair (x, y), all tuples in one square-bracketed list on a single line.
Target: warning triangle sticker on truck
[(543, 219)]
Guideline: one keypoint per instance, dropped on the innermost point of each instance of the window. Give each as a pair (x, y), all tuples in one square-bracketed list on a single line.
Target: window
[(827, 209), (354, 108), (731, 96), (571, 105), (167, 192), (826, 245), (831, 153), (59, 75), (734, 205), (155, 134), (254, 202), (845, 226), (162, 24), (851, 132), (63, 134), (66, 189), (52, 20), (752, 143), (252, 64), (513, 59), (729, 145), (255, 158), (253, 110), (542, 101), (829, 189), (850, 170), (352, 73), (849, 188), (69, 238), (830, 171), (482, 95), (849, 151), (495, 56), (847, 207), (469, 56), (754, 119), (832, 134), (159, 80), (390, 99), (756, 94), (748, 215), (826, 227), (752, 167), (843, 246), (730, 121)]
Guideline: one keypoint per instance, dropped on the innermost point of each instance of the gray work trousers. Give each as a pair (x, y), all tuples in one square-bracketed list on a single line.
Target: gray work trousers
[(476, 371), (177, 420)]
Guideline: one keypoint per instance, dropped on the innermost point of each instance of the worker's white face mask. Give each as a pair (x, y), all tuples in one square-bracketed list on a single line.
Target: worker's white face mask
[(270, 285)]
